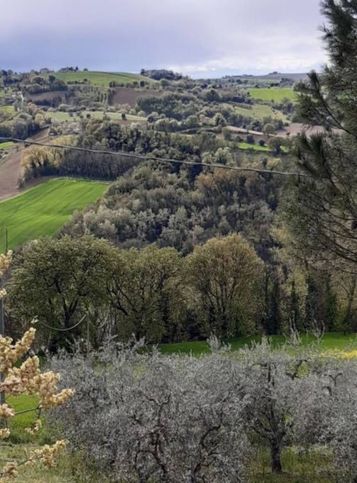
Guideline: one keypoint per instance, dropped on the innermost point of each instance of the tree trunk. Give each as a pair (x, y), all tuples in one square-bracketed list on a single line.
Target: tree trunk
[(275, 458), (351, 295)]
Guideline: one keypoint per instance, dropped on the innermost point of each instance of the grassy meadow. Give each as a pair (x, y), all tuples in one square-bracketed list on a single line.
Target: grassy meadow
[(259, 112), (254, 147), (337, 342), (42, 210), (273, 94), (61, 116), (101, 79)]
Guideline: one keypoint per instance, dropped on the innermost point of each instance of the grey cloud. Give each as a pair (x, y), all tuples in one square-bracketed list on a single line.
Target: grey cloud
[(194, 36)]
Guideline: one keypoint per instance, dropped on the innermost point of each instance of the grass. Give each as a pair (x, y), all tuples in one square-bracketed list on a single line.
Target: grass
[(309, 467), (42, 210), (70, 468), (333, 341), (116, 116), (260, 112), (273, 94), (8, 112), (254, 147), (38, 474), (101, 79), (7, 145)]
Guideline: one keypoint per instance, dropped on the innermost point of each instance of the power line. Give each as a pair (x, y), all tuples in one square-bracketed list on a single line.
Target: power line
[(58, 329), (148, 157)]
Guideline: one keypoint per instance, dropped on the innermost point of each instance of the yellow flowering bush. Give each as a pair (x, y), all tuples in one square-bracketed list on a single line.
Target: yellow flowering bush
[(26, 379)]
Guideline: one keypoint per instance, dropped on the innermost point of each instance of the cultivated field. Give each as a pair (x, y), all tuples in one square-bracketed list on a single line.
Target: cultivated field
[(42, 210), (100, 78), (61, 116), (273, 94)]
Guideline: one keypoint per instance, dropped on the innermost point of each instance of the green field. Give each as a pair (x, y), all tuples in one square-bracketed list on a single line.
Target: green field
[(260, 111), (115, 116), (42, 210), (100, 78), (331, 342), (275, 94), (254, 147)]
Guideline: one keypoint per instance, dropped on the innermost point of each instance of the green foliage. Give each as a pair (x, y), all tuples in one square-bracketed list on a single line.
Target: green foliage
[(153, 204), (146, 295), (322, 208), (226, 278), (83, 287), (55, 281)]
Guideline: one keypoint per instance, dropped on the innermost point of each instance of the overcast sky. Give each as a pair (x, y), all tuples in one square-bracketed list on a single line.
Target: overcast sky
[(196, 37)]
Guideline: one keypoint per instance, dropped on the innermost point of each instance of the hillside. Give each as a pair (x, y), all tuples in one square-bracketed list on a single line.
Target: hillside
[(42, 210)]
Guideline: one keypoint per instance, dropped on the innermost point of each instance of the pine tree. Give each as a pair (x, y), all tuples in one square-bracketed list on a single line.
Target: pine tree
[(322, 207)]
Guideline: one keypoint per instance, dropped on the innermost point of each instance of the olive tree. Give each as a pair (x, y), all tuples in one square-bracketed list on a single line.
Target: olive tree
[(148, 417)]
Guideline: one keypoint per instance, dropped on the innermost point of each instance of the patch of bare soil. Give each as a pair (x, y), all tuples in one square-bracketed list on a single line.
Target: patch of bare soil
[(129, 95), (296, 128), (10, 168)]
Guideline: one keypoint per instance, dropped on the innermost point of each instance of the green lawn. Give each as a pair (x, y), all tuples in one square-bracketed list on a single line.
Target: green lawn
[(275, 94), (331, 342), (100, 78), (42, 210)]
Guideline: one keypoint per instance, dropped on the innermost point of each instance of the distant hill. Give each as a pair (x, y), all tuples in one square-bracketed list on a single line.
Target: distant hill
[(274, 76)]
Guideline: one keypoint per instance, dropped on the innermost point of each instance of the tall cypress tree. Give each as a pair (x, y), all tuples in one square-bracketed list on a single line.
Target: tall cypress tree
[(322, 207)]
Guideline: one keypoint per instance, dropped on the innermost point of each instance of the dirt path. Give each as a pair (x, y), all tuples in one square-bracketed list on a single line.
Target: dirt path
[(10, 168)]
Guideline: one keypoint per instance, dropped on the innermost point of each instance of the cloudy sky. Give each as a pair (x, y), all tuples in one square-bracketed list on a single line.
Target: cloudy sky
[(197, 37)]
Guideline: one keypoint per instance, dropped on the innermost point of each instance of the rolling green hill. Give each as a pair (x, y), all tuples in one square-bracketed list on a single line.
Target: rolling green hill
[(42, 210), (100, 78)]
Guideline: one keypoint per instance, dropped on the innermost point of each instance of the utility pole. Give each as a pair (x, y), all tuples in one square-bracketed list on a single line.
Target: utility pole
[(2, 320), (2, 333)]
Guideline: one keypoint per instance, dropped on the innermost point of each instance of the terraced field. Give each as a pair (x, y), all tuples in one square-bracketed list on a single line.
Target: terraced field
[(42, 210)]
